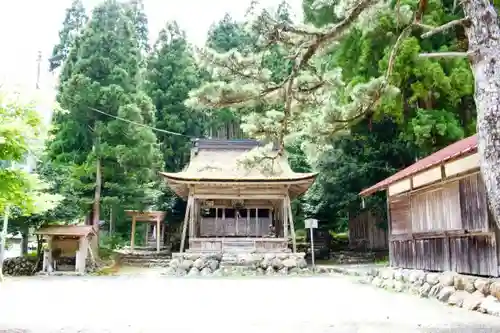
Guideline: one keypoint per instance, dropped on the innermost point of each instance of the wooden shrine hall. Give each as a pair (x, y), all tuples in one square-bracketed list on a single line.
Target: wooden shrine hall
[(233, 207), (155, 228)]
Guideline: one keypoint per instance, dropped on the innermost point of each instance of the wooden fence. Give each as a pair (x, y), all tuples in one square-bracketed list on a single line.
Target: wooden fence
[(364, 233)]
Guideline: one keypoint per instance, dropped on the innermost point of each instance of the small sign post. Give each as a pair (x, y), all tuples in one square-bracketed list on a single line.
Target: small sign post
[(311, 224)]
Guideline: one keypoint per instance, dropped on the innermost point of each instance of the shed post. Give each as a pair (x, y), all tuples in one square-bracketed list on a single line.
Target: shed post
[(157, 234), (389, 227), (132, 234)]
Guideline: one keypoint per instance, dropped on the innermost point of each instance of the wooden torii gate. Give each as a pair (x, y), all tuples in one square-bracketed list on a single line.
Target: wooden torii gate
[(152, 217)]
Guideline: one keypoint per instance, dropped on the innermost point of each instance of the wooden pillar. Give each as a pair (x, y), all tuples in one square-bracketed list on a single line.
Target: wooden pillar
[(248, 222), (184, 226), (259, 232), (285, 218), (47, 258), (389, 228), (147, 234), (157, 235), (81, 258), (292, 227), (132, 234)]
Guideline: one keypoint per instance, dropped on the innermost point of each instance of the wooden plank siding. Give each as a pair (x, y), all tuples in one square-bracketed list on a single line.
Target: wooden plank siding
[(365, 233), (444, 227), (400, 215), (474, 207)]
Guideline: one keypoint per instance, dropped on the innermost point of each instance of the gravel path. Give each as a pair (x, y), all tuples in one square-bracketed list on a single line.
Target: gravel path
[(150, 303)]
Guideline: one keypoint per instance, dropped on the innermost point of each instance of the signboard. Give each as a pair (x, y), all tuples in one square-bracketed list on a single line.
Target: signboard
[(311, 223)]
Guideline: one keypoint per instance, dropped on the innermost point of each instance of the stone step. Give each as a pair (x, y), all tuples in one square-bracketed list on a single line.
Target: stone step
[(145, 263), (146, 259)]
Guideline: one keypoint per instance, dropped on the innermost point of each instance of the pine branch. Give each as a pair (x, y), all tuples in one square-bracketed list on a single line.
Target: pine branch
[(464, 21)]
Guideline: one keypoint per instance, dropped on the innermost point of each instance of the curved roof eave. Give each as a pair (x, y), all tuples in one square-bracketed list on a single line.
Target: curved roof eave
[(180, 179)]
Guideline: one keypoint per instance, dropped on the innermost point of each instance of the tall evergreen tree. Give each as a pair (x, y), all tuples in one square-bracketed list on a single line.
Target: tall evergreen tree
[(73, 24), (172, 74), (109, 158)]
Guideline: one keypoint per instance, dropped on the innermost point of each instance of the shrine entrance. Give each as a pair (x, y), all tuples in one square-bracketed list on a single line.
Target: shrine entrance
[(155, 228)]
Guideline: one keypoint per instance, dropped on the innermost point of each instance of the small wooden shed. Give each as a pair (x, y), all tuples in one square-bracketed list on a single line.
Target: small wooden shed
[(365, 232), (67, 246), (438, 213)]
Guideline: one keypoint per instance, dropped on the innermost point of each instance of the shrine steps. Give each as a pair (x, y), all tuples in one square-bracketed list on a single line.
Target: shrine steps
[(143, 257)]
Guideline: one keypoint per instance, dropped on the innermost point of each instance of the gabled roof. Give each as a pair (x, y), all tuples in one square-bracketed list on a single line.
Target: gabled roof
[(220, 161), (457, 149), (67, 230)]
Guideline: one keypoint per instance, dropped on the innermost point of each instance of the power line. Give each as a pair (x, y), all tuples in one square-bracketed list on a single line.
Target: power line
[(143, 125)]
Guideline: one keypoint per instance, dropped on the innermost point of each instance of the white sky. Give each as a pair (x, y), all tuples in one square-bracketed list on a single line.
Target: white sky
[(27, 26)]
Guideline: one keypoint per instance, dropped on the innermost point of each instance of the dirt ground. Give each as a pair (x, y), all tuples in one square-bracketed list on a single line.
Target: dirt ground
[(144, 301)]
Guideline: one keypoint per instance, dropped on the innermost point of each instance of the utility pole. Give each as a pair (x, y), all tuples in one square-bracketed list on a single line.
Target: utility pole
[(39, 63)]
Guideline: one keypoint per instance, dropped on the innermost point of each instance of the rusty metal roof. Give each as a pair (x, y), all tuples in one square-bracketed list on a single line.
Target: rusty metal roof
[(454, 150), (67, 230)]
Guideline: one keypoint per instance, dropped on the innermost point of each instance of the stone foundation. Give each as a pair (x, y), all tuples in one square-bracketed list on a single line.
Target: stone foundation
[(19, 266), (247, 264), (469, 292)]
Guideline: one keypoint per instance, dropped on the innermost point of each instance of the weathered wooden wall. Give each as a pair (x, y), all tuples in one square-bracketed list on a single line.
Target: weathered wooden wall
[(364, 233), (444, 227), (234, 227), (68, 246)]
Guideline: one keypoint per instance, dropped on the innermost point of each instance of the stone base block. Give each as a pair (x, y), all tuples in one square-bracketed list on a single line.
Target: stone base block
[(225, 264)]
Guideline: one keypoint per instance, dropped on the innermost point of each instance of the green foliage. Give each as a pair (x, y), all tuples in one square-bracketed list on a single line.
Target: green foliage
[(103, 72), (19, 131), (434, 109), (74, 21)]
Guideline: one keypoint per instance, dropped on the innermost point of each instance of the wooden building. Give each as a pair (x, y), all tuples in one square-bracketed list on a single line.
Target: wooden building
[(438, 212), (68, 247), (365, 232), (232, 206)]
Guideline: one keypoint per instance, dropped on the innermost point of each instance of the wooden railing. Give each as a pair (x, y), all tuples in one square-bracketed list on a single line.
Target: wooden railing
[(211, 227), (237, 244)]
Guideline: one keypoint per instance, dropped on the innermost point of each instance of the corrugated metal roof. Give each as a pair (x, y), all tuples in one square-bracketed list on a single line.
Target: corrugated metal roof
[(454, 150)]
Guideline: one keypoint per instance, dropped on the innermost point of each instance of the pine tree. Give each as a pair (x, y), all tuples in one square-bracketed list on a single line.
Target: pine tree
[(223, 36), (310, 101)]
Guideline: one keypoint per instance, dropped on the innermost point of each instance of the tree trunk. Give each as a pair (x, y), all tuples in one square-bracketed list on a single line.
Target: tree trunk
[(111, 221), (97, 198), (24, 242), (484, 49)]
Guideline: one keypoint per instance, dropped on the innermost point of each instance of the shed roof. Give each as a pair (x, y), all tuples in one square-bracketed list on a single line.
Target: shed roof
[(452, 151), (218, 161), (67, 230)]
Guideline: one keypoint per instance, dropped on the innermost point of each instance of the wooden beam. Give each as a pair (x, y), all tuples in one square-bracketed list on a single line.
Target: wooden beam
[(158, 235), (132, 234), (292, 227), (184, 226), (243, 196)]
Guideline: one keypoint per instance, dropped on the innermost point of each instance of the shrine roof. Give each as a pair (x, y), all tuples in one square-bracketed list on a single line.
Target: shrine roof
[(221, 161), (66, 230)]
